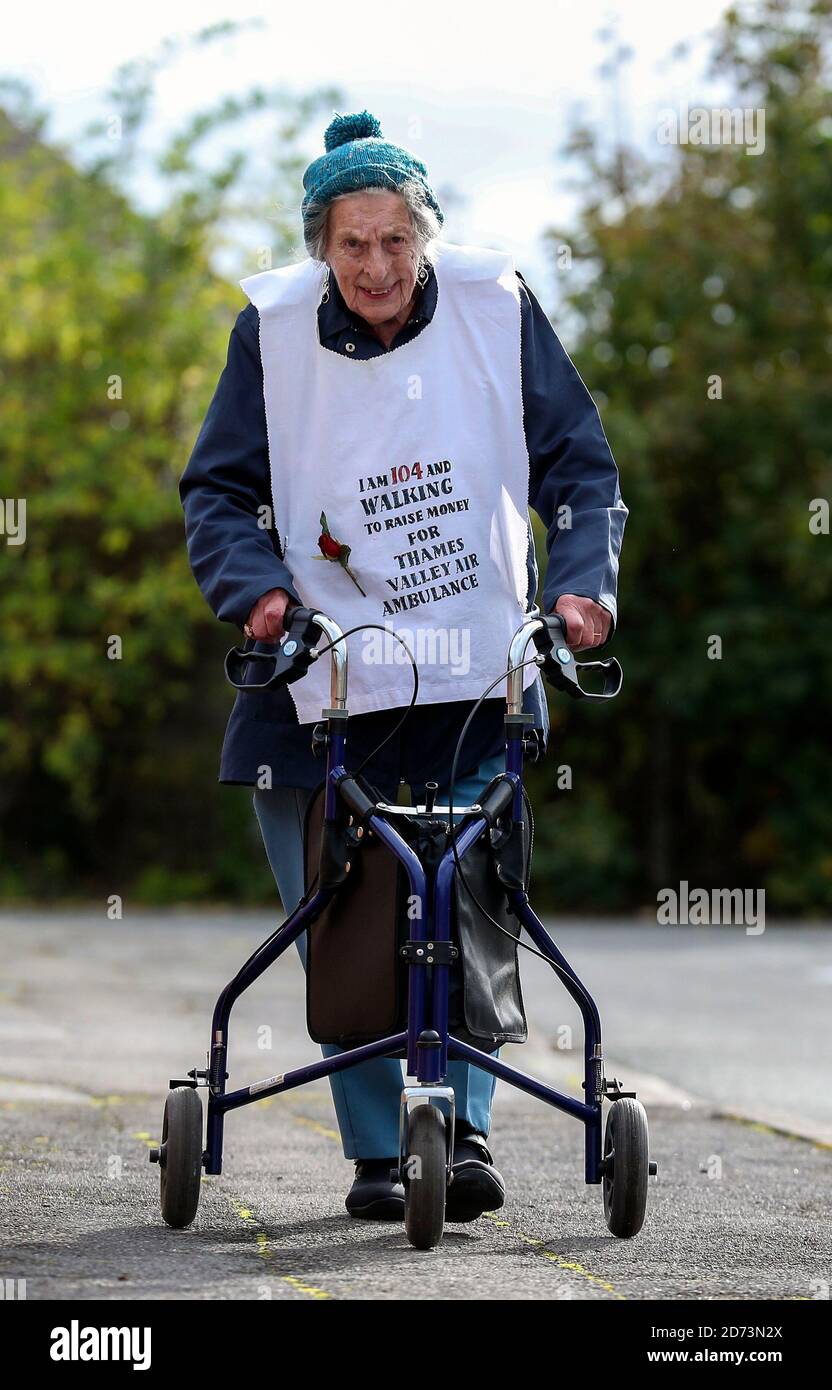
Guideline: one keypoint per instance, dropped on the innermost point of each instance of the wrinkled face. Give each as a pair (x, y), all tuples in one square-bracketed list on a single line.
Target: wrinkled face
[(372, 251)]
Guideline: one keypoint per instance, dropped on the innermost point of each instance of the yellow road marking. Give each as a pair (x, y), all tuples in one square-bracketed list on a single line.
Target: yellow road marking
[(267, 1252), (313, 1124), (780, 1130), (326, 1130), (571, 1266)]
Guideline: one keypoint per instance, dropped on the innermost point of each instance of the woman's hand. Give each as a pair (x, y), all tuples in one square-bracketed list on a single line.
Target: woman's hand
[(587, 623), (266, 617)]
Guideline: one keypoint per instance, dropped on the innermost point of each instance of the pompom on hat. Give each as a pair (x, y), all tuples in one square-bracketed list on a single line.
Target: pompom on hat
[(357, 156)]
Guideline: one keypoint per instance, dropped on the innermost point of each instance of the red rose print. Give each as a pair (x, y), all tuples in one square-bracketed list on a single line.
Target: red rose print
[(330, 548), (335, 550)]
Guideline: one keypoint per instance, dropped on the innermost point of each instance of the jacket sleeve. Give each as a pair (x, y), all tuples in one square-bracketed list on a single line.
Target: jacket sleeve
[(570, 466), (232, 554)]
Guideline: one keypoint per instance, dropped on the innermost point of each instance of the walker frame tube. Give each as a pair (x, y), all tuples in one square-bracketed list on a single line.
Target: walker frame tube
[(427, 1013)]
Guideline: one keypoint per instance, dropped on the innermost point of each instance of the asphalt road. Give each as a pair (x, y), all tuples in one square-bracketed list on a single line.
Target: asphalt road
[(96, 1015)]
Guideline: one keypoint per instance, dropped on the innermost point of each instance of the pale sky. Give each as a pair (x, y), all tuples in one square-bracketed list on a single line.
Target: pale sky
[(485, 96)]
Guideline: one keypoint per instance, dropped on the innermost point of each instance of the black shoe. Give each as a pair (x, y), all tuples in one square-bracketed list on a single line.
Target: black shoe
[(476, 1185), (373, 1195)]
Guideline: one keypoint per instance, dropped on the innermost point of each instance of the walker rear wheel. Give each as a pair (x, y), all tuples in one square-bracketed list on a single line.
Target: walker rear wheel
[(180, 1156), (426, 1177), (626, 1167)]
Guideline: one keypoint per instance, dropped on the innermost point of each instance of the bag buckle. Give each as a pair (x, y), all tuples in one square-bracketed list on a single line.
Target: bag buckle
[(429, 952)]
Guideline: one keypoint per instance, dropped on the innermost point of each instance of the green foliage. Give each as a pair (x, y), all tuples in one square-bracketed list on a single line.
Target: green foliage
[(115, 326), (714, 770)]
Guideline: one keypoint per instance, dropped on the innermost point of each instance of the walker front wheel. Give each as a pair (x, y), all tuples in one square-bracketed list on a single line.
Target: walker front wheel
[(626, 1167), (180, 1156), (426, 1177)]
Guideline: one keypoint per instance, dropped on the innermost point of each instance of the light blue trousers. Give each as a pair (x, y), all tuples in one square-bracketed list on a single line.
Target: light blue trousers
[(367, 1096)]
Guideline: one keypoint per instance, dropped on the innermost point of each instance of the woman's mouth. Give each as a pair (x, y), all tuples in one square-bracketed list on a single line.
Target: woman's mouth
[(377, 294)]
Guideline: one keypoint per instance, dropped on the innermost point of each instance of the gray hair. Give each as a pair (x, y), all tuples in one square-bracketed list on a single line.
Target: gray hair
[(423, 220)]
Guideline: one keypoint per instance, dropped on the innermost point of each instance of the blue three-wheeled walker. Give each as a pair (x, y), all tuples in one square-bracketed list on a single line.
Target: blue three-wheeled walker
[(352, 815)]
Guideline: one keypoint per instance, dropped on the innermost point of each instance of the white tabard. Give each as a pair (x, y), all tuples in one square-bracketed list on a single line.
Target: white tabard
[(418, 459)]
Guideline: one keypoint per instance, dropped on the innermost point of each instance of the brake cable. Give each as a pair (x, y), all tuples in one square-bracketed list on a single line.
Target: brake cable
[(321, 651), (530, 661)]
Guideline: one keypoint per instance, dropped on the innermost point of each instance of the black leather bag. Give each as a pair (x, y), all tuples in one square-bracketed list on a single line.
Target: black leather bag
[(356, 979)]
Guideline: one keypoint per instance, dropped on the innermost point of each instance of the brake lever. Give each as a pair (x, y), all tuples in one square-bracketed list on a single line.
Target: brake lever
[(288, 663), (561, 670)]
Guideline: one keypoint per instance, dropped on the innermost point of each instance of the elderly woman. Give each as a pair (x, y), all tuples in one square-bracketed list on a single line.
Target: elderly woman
[(399, 401)]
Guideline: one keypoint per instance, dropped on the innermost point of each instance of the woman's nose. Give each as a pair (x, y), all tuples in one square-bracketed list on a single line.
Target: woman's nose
[(376, 265)]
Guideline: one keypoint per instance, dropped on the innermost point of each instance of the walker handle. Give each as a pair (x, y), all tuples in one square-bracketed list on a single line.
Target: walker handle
[(287, 663), (562, 671)]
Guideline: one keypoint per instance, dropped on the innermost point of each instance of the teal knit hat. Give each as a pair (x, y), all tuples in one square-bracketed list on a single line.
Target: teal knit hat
[(358, 157)]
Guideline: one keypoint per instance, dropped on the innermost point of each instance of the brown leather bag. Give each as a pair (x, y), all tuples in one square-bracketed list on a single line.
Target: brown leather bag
[(356, 979)]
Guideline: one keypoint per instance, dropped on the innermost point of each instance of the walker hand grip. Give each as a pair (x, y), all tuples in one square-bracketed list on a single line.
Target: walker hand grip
[(562, 671), (287, 663), (238, 661), (612, 683)]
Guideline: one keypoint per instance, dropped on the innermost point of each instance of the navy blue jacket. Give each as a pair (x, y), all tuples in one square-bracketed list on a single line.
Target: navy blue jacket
[(235, 560)]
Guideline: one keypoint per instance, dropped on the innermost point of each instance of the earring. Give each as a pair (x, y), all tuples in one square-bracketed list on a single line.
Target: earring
[(325, 295), (423, 275)]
